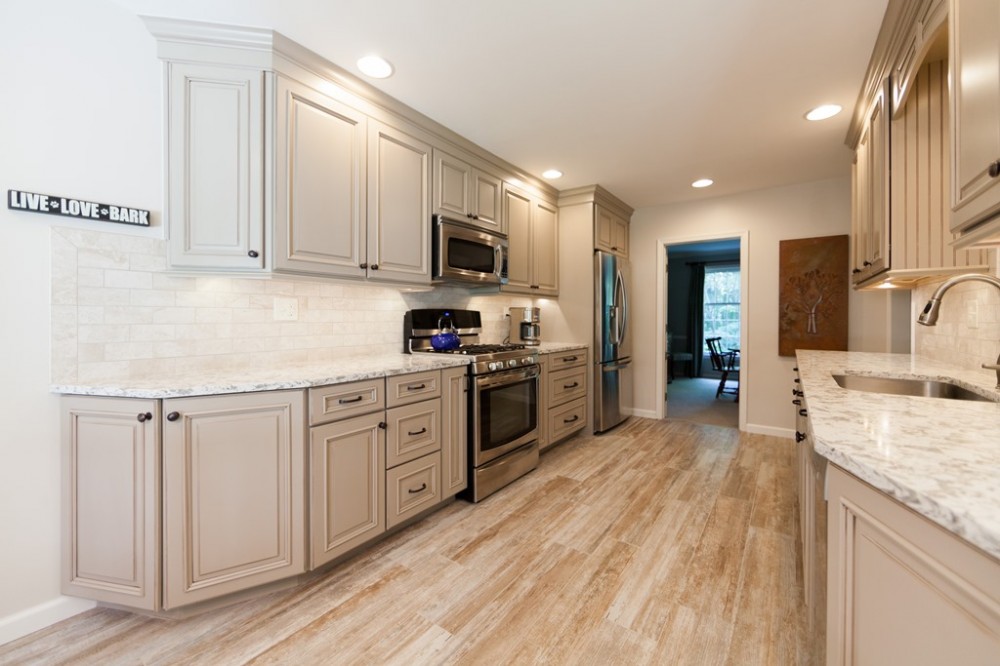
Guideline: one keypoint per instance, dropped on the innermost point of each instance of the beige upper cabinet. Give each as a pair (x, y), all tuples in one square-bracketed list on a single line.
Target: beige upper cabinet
[(871, 188), (902, 174), (111, 500), (975, 119), (465, 189), (533, 234), (215, 162), (320, 214), (233, 493), (610, 232), (399, 211)]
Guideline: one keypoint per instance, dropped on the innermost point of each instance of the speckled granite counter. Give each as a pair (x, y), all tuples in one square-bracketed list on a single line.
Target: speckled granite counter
[(556, 347), (939, 457), (268, 379)]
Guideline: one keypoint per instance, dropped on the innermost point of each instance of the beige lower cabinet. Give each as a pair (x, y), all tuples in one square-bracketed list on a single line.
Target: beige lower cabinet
[(412, 487), (563, 409), (413, 449), (903, 590), (454, 431), (347, 471), (111, 501), (233, 493)]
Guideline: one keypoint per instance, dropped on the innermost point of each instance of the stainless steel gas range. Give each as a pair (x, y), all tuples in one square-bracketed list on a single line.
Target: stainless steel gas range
[(503, 396)]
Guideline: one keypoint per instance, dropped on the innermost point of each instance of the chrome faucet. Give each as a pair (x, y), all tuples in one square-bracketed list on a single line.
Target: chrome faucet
[(929, 316)]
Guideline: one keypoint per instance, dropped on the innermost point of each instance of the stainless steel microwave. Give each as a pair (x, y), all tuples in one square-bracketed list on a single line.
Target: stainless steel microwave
[(468, 254)]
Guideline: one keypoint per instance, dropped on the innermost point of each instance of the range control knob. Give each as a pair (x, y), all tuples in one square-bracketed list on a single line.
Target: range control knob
[(492, 366), (512, 363)]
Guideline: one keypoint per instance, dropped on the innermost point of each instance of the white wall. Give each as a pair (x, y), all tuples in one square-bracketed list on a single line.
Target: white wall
[(821, 208)]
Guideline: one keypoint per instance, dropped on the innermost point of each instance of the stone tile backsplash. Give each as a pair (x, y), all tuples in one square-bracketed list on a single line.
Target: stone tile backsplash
[(117, 313), (953, 340)]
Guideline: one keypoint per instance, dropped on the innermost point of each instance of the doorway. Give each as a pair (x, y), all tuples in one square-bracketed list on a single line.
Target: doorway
[(703, 294)]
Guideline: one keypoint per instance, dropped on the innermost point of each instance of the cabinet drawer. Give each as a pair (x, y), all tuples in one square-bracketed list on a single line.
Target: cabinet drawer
[(412, 431), (340, 401), (566, 385), (405, 389), (412, 487), (570, 359), (567, 418)]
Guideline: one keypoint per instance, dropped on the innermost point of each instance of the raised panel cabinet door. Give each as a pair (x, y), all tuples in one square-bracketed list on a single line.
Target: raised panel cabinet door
[(604, 229), (454, 431), (320, 203), (347, 486), (878, 120), (903, 590), (487, 201), (974, 43), (620, 245), (517, 211), (233, 493), (111, 508), (399, 209), (545, 248), (215, 162), (452, 186)]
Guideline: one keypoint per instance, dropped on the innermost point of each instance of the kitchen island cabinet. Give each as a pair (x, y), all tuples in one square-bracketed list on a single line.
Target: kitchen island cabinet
[(913, 536)]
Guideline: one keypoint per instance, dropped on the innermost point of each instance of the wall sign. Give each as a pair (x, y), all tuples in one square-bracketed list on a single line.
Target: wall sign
[(89, 210), (813, 275)]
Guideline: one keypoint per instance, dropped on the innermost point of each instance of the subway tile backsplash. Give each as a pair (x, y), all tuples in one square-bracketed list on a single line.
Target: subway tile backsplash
[(117, 313), (961, 338)]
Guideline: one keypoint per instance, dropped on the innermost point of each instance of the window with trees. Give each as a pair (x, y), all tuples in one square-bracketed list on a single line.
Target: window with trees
[(722, 304)]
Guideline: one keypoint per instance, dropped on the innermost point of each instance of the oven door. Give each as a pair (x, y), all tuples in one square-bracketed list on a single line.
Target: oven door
[(504, 412)]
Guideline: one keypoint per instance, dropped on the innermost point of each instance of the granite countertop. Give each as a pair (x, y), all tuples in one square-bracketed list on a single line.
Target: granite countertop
[(556, 347), (269, 379), (937, 456)]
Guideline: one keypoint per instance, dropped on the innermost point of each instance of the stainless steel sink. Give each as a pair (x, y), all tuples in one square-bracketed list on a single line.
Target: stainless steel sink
[(928, 388)]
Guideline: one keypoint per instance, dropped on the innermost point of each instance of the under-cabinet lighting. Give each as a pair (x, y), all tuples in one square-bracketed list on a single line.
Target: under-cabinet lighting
[(375, 67), (824, 111), (702, 182)]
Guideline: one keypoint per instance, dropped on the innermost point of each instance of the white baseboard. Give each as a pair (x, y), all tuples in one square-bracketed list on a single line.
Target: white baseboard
[(770, 430), (38, 617), (644, 413)]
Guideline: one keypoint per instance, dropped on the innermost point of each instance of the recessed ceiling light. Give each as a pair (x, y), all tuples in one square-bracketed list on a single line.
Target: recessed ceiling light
[(824, 111), (702, 182), (375, 67), (552, 173)]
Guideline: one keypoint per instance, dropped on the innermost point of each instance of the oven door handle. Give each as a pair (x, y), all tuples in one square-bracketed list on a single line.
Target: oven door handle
[(506, 377)]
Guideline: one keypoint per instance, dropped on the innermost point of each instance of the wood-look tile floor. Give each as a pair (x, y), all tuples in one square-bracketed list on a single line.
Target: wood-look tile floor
[(662, 542)]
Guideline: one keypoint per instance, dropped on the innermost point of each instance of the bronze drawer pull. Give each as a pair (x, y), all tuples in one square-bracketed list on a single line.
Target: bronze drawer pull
[(571, 386), (347, 401), (419, 432), (575, 418), (422, 488), (416, 387), (569, 359)]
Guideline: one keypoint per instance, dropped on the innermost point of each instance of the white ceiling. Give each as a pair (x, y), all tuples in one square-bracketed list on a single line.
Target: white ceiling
[(641, 96)]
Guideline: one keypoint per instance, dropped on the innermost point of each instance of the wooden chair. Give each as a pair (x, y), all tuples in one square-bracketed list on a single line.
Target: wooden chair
[(726, 363)]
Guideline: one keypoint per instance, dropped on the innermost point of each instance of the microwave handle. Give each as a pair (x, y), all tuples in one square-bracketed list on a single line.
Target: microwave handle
[(498, 261)]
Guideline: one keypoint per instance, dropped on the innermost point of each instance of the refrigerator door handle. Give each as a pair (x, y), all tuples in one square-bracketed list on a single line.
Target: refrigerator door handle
[(622, 320)]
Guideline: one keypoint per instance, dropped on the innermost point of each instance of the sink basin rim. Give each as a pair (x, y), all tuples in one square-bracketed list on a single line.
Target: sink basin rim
[(908, 386)]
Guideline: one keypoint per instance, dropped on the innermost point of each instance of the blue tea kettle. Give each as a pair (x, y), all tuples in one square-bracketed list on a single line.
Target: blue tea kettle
[(447, 338)]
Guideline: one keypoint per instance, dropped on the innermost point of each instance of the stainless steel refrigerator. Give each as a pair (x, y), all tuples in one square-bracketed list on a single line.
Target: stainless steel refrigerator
[(613, 349)]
